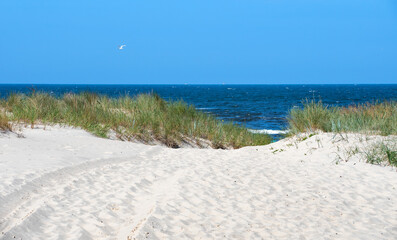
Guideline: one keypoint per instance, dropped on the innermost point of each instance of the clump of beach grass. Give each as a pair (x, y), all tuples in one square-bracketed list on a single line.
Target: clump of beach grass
[(375, 118), (4, 122), (145, 117)]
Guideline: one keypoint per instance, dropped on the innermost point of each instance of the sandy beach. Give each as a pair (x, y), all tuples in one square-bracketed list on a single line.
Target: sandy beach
[(64, 183)]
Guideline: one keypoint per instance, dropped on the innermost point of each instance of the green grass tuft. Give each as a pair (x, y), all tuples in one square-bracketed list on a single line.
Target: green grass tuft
[(382, 152)]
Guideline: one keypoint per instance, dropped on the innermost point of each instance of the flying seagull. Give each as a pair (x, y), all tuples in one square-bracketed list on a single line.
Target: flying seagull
[(121, 47)]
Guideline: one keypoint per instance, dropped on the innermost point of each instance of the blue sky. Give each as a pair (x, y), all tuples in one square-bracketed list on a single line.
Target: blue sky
[(198, 41)]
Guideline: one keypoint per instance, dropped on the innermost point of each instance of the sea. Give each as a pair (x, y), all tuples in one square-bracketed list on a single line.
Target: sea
[(261, 108)]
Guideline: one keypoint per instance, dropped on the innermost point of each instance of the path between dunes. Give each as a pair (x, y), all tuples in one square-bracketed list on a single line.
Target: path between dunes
[(63, 183)]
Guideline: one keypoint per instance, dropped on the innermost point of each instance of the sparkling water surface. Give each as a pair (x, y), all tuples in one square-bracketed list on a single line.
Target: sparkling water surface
[(260, 107)]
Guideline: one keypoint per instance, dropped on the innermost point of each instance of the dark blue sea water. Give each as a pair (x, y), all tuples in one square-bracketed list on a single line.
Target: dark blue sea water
[(256, 106)]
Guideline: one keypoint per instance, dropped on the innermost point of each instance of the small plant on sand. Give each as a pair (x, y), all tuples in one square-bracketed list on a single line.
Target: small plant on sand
[(382, 152)]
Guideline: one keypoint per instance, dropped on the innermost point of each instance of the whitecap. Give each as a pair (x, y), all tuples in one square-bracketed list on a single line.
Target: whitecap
[(205, 108), (268, 131)]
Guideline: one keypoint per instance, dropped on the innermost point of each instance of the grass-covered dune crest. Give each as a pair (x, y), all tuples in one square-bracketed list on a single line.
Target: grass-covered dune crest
[(375, 118), (145, 117), (367, 119)]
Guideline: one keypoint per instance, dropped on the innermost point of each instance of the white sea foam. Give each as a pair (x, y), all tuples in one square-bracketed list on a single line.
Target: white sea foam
[(268, 131)]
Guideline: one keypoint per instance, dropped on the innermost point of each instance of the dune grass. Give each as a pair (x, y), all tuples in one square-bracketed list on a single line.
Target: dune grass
[(376, 118), (146, 118), (4, 122)]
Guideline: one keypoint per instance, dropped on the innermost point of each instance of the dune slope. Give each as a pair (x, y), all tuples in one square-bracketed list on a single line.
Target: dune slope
[(63, 183)]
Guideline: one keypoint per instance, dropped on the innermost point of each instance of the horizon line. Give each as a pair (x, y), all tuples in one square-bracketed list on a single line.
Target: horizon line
[(196, 84)]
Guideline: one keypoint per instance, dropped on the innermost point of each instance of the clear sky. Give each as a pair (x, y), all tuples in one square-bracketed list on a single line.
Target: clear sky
[(198, 41)]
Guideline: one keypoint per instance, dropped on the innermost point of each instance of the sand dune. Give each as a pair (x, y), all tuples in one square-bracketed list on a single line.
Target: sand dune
[(63, 183)]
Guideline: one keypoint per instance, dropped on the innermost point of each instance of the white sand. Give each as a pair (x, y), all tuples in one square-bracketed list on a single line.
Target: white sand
[(63, 183)]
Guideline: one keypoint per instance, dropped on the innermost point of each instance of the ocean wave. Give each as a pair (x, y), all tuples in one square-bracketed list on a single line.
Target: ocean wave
[(268, 131), (205, 108)]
